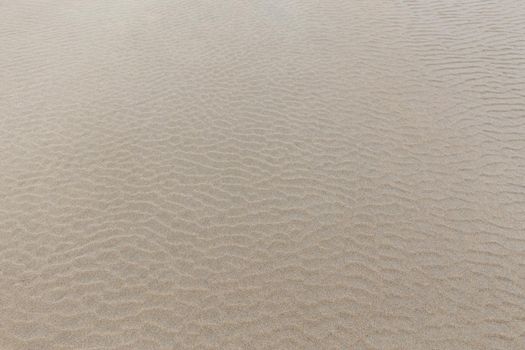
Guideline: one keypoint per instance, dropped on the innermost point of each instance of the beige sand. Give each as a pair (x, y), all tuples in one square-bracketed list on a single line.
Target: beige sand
[(262, 174)]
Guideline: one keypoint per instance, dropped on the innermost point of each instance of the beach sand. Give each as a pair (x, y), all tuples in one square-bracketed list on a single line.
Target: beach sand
[(262, 174)]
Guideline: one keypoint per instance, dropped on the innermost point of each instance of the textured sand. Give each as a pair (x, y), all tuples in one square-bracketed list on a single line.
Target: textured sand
[(262, 174)]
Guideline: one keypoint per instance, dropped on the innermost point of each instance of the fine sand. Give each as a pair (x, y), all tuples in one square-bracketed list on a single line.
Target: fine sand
[(262, 174)]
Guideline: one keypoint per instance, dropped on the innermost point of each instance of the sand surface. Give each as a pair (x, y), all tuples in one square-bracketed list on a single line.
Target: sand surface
[(262, 174)]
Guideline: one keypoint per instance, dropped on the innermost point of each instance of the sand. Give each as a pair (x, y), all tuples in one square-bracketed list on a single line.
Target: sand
[(262, 174)]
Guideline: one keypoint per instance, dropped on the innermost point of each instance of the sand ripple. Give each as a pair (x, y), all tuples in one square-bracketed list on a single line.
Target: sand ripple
[(262, 174)]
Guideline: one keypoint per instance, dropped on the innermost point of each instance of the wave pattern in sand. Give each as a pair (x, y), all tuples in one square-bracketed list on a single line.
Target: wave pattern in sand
[(262, 174)]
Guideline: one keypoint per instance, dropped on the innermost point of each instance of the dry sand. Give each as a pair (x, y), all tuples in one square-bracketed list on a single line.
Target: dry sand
[(262, 174)]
